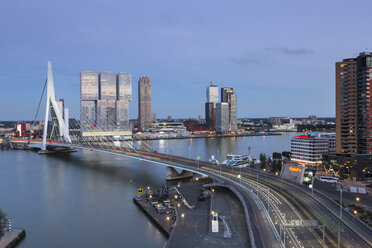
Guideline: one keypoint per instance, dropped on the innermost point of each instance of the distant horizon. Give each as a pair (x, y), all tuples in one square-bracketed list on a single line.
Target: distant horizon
[(164, 118)]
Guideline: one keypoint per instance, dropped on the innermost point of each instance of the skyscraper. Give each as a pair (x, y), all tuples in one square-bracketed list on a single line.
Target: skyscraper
[(210, 105), (226, 93), (353, 105), (89, 95), (222, 117), (107, 86), (104, 104), (124, 92), (228, 96), (212, 93), (144, 103)]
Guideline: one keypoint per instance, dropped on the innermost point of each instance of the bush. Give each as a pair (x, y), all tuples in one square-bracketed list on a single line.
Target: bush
[(2, 222)]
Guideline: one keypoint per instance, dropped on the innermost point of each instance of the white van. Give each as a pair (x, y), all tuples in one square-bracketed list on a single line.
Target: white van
[(328, 179)]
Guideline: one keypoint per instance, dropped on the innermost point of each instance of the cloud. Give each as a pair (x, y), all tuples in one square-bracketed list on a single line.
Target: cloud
[(290, 51), (263, 56), (248, 59)]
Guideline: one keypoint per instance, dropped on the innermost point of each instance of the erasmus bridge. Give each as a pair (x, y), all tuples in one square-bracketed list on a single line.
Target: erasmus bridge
[(277, 212)]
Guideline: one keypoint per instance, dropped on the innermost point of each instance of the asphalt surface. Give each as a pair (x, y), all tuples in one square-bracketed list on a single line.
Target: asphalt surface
[(325, 211), (226, 204), (299, 202)]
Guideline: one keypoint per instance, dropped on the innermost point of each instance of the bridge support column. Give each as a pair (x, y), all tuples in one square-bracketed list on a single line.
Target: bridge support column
[(51, 101), (173, 174)]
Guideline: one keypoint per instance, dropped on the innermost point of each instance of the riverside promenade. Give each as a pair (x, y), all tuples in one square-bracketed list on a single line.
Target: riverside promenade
[(194, 228), (12, 238)]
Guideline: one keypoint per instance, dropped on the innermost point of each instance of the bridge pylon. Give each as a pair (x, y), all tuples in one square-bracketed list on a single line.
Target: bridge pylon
[(51, 101)]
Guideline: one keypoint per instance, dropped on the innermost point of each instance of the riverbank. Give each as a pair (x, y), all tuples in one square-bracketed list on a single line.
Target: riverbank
[(12, 238), (196, 136)]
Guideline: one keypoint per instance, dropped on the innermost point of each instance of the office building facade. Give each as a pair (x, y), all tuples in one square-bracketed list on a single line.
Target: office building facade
[(228, 96), (210, 106), (353, 105), (212, 94), (222, 117), (308, 149), (104, 108), (144, 103)]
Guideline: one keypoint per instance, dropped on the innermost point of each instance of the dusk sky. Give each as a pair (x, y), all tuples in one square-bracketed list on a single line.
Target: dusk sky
[(279, 56)]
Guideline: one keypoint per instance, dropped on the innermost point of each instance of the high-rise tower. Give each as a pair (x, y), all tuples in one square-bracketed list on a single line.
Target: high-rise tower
[(353, 105), (228, 96), (104, 104), (144, 103), (210, 105)]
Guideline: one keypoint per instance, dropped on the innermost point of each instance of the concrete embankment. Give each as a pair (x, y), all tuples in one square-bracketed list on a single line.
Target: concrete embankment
[(12, 238), (154, 216)]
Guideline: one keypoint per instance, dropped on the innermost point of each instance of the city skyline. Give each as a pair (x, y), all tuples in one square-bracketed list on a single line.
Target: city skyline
[(291, 75)]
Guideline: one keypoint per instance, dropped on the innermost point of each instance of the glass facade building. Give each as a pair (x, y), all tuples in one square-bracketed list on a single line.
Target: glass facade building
[(104, 108), (107, 86), (212, 94), (89, 85), (233, 114), (124, 86), (222, 117), (228, 96), (353, 105)]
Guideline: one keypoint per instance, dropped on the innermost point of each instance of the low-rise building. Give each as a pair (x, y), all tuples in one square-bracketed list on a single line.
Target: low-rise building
[(309, 149)]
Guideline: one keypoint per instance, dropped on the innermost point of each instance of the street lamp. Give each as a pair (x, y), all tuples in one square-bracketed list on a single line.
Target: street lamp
[(178, 205), (176, 197), (355, 212), (178, 185), (212, 212), (183, 217), (357, 199), (168, 218)]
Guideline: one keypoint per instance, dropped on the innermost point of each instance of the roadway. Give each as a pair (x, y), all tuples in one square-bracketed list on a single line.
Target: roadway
[(287, 201), (320, 208)]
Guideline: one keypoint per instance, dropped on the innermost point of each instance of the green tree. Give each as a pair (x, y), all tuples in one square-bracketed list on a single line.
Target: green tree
[(263, 160), (287, 154), (2, 222), (277, 155), (270, 162)]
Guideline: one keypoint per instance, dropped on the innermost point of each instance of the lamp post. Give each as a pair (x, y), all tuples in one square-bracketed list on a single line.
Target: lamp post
[(341, 203), (168, 218), (240, 175), (183, 217)]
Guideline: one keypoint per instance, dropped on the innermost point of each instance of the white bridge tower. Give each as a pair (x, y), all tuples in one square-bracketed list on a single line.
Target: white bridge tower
[(51, 101)]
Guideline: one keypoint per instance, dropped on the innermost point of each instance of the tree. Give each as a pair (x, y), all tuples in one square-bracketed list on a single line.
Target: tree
[(277, 155), (270, 162), (263, 160), (277, 165), (2, 222), (287, 154)]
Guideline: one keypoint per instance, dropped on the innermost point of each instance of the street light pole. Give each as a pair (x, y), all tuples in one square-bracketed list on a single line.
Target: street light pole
[(240, 175), (341, 203), (268, 200), (312, 186)]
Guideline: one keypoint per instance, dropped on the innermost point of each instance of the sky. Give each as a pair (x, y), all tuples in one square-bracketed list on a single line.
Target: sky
[(279, 56)]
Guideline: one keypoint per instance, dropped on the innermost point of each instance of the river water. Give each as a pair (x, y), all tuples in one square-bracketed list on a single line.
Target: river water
[(84, 199)]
